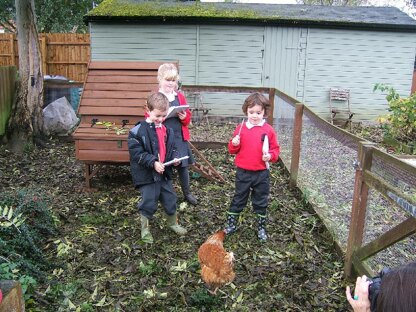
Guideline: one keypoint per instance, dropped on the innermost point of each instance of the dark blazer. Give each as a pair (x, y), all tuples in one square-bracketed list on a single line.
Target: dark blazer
[(144, 150)]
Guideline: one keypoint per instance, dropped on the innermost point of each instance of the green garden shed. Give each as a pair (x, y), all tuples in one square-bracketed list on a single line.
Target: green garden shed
[(302, 50)]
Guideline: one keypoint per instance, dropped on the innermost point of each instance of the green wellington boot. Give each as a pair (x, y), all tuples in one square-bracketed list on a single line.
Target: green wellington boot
[(146, 235), (174, 226)]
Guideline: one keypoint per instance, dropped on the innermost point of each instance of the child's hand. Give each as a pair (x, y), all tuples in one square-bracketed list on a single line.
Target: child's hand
[(182, 115), (177, 162), (159, 167), (236, 140), (266, 157)]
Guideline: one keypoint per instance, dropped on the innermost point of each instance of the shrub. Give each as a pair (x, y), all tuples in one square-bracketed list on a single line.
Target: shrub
[(400, 122), (23, 231)]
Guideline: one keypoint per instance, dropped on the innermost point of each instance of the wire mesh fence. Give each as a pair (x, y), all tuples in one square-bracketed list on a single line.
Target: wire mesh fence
[(326, 175), (386, 212), (284, 128)]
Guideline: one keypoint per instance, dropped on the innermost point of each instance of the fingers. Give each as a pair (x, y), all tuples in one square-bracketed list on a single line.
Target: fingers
[(236, 140), (182, 115), (348, 294), (159, 167), (361, 286), (360, 301), (266, 157)]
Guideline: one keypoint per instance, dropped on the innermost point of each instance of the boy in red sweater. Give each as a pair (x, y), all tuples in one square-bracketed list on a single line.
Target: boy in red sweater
[(255, 144)]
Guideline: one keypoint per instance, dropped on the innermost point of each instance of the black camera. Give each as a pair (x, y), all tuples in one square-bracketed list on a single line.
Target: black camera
[(374, 288)]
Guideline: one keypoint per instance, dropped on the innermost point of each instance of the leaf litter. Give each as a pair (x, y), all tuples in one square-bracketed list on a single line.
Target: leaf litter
[(105, 266)]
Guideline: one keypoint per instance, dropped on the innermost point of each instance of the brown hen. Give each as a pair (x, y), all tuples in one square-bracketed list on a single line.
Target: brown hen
[(216, 264)]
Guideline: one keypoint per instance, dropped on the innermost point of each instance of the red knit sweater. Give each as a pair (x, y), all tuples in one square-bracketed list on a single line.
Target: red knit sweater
[(250, 151)]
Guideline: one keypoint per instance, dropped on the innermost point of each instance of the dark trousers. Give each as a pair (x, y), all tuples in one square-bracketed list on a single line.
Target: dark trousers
[(152, 193), (254, 182), (183, 174)]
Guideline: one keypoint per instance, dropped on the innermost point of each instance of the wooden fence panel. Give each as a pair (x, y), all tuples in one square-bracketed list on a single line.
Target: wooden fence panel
[(68, 55), (8, 50), (7, 88), (357, 253), (62, 54)]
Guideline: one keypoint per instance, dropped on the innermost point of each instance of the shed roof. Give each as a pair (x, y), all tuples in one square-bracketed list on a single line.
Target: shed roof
[(174, 12)]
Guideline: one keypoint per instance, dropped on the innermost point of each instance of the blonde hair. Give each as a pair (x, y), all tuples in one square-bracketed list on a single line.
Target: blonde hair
[(167, 71)]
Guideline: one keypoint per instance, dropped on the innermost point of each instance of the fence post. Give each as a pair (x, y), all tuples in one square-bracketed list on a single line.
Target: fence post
[(297, 135), (12, 52), (272, 93), (359, 205)]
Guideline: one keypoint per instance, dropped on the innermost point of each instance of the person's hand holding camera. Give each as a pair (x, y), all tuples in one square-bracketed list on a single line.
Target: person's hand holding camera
[(360, 301)]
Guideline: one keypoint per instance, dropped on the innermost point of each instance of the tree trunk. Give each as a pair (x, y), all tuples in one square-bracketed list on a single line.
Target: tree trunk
[(26, 120)]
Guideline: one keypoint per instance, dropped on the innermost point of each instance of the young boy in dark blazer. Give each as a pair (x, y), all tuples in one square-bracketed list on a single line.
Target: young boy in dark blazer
[(151, 145)]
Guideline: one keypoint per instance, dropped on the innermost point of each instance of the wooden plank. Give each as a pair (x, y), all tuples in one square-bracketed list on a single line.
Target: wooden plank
[(125, 65), (361, 267), (104, 145), (201, 88), (359, 208), (117, 86), (120, 72), (139, 102), (207, 170), (390, 192), (118, 120), (76, 147), (272, 95), (64, 43), (125, 111), (399, 232), (104, 156), (98, 136), (91, 136), (99, 130), (13, 50), (112, 94), (296, 143), (150, 82), (68, 62), (396, 162)]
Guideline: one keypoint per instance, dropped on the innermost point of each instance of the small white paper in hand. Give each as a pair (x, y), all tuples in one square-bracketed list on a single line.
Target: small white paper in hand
[(266, 149), (171, 162)]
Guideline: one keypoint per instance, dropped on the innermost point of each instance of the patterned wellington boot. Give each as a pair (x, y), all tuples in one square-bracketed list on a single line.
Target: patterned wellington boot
[(262, 235), (232, 221)]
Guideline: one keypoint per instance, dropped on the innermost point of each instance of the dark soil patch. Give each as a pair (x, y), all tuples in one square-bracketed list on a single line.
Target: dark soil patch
[(106, 268)]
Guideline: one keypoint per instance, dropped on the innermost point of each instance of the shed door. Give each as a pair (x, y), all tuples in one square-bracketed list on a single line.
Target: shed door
[(284, 56)]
